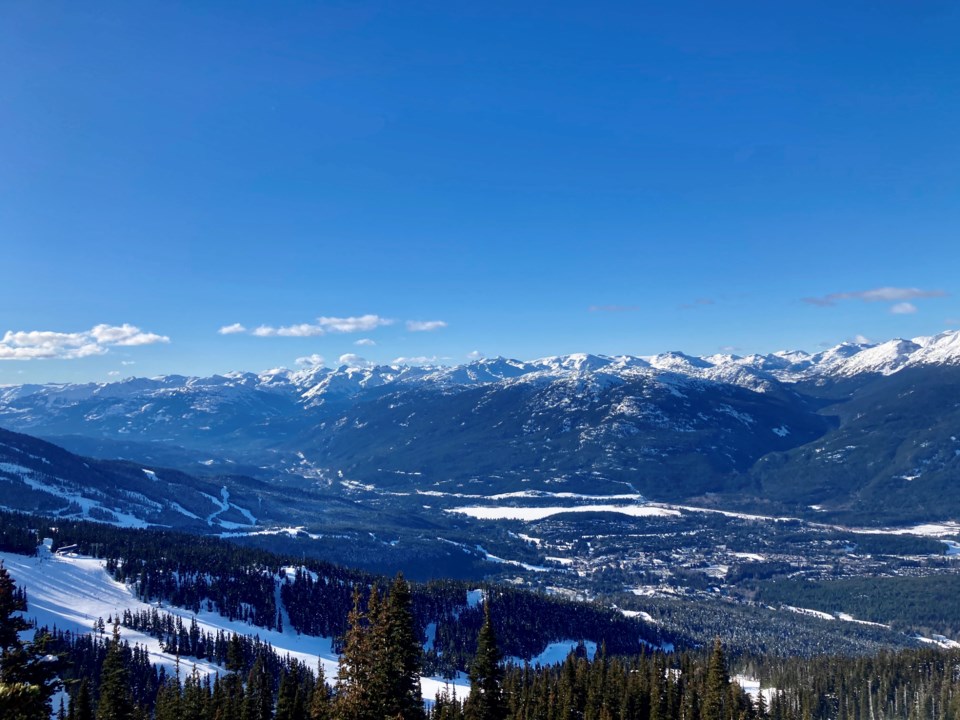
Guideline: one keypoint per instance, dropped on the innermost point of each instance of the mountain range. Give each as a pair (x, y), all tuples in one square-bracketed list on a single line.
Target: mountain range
[(846, 430)]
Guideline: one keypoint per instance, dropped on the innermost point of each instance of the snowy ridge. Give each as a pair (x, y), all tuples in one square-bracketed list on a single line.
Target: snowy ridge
[(319, 384), (34, 473)]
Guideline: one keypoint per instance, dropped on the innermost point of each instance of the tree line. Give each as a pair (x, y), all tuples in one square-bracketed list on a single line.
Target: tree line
[(240, 583), (379, 669)]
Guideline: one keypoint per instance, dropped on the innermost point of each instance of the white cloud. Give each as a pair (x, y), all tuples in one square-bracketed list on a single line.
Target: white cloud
[(475, 355), (903, 308), (113, 373), (365, 342), (125, 335), (353, 360), (425, 325), (314, 360), (128, 362), (232, 329), (889, 294), (301, 330), (862, 340), (353, 324), (324, 325), (882, 294), (48, 345)]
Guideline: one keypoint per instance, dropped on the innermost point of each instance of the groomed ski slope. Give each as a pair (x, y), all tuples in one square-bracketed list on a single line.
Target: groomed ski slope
[(71, 592)]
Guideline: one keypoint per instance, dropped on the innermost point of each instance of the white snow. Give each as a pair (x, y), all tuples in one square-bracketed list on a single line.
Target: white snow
[(183, 511), (529, 514), (46, 484), (850, 618), (72, 592), (751, 686), (642, 614), (525, 566), (938, 529), (557, 652), (431, 632), (522, 494), (808, 611), (940, 640), (845, 617)]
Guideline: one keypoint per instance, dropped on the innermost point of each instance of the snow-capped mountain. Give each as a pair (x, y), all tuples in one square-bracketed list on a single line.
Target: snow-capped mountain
[(318, 384), (672, 424)]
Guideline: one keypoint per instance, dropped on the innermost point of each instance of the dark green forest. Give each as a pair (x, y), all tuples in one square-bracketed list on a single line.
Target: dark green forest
[(108, 680), (379, 630)]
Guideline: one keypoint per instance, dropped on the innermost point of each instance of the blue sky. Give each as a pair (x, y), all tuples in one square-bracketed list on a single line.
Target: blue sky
[(439, 179)]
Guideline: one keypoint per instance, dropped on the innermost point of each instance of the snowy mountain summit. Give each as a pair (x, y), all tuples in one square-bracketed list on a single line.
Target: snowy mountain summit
[(318, 384), (670, 425)]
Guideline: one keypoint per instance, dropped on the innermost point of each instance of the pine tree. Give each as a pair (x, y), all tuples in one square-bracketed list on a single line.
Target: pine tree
[(230, 704), (169, 700), (80, 706), (761, 705), (402, 655), (290, 701), (320, 700), (379, 672), (115, 700), (258, 699), (27, 675), (485, 701), (354, 670), (718, 678), (194, 702)]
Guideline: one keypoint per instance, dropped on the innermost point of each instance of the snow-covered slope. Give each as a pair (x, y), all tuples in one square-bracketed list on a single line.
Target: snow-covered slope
[(72, 592)]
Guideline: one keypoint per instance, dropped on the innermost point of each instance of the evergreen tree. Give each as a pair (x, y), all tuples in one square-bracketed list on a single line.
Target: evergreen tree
[(718, 678), (402, 655), (354, 670), (320, 700), (194, 702), (379, 672), (169, 699), (229, 706), (258, 699), (290, 701), (485, 701), (80, 705), (27, 671), (115, 700)]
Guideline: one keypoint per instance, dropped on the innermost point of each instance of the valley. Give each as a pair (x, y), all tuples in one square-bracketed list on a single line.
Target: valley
[(719, 481)]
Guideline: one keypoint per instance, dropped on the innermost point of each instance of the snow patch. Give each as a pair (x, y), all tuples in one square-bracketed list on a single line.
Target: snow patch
[(530, 514), (557, 652)]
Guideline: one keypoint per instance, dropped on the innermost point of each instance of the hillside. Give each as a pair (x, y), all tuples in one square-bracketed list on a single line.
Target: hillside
[(724, 429)]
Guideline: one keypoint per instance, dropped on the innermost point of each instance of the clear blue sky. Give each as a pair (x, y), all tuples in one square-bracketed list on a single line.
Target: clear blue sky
[(542, 178)]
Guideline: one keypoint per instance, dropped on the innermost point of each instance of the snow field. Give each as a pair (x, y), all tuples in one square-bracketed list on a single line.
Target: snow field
[(530, 514), (71, 592)]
